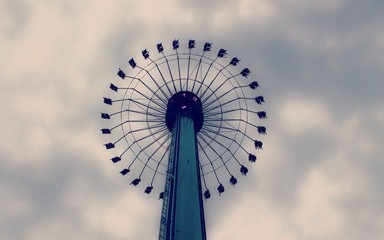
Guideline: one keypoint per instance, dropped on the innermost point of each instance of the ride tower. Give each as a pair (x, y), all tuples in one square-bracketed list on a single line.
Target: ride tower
[(191, 109)]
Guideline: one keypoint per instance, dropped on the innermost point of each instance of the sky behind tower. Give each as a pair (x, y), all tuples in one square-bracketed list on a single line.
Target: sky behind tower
[(320, 66)]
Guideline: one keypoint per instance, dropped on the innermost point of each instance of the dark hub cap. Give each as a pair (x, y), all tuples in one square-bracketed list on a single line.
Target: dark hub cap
[(188, 103)]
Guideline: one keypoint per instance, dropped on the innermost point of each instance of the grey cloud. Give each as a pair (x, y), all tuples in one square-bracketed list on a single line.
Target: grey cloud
[(309, 51), (15, 17)]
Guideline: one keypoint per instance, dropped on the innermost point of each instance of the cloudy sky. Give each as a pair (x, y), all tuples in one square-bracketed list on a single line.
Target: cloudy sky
[(321, 67)]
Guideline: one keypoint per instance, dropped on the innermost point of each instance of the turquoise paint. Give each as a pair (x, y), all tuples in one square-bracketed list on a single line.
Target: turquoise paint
[(189, 215), (183, 210)]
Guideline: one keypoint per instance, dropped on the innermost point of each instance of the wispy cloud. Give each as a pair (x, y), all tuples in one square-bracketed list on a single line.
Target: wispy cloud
[(319, 64)]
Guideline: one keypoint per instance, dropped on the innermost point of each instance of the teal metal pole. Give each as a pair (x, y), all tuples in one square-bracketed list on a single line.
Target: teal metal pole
[(189, 210), (182, 216)]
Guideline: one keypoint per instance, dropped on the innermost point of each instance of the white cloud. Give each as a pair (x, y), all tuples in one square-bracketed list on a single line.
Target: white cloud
[(258, 219), (302, 114), (321, 171), (316, 216)]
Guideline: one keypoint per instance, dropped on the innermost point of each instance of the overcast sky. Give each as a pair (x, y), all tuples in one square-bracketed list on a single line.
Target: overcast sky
[(321, 67)]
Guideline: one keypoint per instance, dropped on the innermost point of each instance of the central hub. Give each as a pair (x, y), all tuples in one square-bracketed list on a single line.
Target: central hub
[(186, 102)]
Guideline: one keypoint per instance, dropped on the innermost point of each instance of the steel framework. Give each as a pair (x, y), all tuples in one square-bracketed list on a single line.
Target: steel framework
[(195, 111)]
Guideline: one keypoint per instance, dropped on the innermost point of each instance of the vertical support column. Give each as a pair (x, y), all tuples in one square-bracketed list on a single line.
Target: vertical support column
[(183, 209), (189, 210)]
